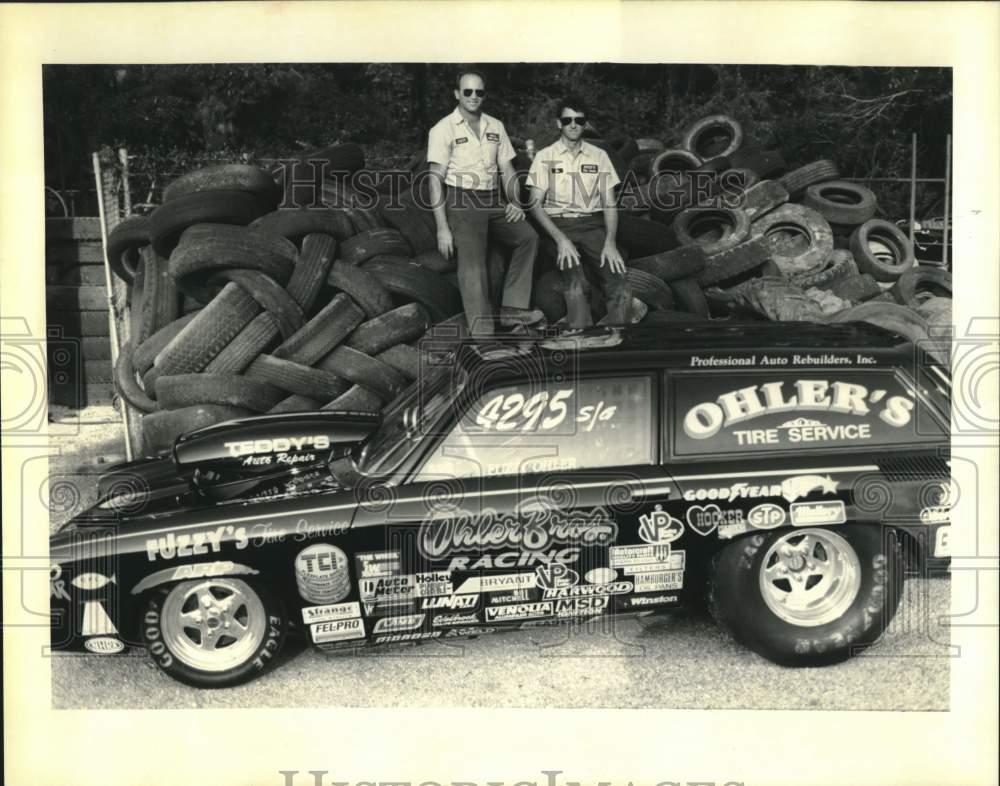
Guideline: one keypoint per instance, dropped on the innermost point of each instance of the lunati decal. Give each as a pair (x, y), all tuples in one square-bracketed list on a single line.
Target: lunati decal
[(706, 419), (533, 530)]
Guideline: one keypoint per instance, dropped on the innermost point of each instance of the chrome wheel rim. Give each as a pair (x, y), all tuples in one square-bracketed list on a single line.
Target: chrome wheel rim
[(213, 625), (810, 577)]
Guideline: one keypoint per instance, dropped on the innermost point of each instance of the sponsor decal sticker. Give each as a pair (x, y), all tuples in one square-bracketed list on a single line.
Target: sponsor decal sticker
[(189, 544), (104, 645), (806, 513), (589, 590), (328, 613), (767, 515), (475, 631), (626, 556), (638, 601), (497, 583), (574, 607), (374, 608), (397, 637), (936, 514), (555, 576), (405, 587), (376, 564), (513, 596), (659, 581), (659, 527), (601, 575), (519, 611), (321, 574), (57, 584), (442, 620), (703, 519), (398, 623), (942, 546), (450, 602), (337, 630), (92, 581), (277, 445)]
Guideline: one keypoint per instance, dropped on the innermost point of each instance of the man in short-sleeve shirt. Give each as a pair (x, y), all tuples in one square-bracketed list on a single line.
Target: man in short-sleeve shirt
[(470, 157), (572, 187)]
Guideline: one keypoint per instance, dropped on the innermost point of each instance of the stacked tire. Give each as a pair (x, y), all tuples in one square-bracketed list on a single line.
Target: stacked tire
[(240, 307)]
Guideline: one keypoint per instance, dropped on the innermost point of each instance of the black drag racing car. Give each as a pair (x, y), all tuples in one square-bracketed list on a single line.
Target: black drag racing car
[(777, 470)]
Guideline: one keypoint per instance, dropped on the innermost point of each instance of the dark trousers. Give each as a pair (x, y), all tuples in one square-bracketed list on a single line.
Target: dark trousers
[(477, 218), (587, 234)]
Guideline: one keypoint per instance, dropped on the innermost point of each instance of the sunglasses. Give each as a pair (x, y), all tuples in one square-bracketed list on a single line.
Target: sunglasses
[(580, 120), (469, 91)]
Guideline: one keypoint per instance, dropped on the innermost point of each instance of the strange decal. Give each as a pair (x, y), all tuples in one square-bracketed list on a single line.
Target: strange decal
[(854, 409)]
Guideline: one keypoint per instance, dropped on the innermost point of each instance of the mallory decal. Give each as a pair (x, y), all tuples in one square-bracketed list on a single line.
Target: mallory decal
[(534, 530), (804, 514)]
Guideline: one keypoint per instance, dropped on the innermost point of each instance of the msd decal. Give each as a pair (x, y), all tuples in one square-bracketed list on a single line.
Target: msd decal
[(659, 527)]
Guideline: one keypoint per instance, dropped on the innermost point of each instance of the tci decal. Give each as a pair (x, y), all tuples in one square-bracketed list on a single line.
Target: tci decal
[(187, 544), (277, 445), (532, 530)]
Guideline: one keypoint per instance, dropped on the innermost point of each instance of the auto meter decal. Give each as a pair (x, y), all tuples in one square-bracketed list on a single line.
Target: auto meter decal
[(749, 411), (321, 574)]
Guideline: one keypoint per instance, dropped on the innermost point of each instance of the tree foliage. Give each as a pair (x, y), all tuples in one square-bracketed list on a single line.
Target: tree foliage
[(176, 117)]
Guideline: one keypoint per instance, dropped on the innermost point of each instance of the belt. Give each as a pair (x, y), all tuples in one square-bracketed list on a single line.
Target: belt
[(571, 214)]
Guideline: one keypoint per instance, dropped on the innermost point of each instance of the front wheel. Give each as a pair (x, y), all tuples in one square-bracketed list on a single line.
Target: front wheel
[(214, 632), (808, 597)]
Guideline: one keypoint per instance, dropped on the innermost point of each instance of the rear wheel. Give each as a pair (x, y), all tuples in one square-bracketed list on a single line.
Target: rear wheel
[(214, 632), (808, 597)]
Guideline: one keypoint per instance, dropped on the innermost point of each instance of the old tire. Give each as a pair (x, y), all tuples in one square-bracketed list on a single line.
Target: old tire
[(841, 202), (672, 265), (206, 248), (147, 351), (890, 316), (642, 237), (857, 289), (784, 231), (362, 369), (296, 224), (650, 289), (363, 288), (886, 261), (798, 180), (714, 229), (399, 326), (373, 242), (734, 262), (126, 383), (179, 619), (674, 160), (315, 383), (930, 281), (412, 282), (185, 390), (765, 163), (689, 295), (124, 243), (170, 219), (852, 590), (715, 135), (762, 198), (838, 267), (225, 177), (334, 323)]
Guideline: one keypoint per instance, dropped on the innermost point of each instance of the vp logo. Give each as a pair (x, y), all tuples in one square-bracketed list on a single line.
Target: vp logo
[(556, 576)]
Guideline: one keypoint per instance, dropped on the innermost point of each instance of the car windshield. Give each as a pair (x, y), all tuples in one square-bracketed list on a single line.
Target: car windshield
[(410, 417)]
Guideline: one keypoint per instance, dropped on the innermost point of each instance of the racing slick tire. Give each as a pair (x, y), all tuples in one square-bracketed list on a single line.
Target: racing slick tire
[(242, 623), (808, 596)]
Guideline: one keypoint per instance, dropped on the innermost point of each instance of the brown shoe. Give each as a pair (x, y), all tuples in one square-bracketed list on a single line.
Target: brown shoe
[(510, 316)]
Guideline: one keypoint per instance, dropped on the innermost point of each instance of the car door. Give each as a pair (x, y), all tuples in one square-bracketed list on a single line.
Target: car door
[(532, 505)]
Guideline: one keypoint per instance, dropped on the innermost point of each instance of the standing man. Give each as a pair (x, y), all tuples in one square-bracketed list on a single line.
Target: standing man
[(465, 150), (572, 197)]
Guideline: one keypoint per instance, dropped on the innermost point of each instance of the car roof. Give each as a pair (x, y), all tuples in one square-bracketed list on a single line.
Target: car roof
[(614, 348)]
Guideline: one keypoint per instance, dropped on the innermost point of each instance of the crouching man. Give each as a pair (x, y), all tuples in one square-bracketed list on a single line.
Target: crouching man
[(572, 188)]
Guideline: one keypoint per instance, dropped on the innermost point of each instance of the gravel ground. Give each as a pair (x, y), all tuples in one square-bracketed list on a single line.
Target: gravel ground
[(676, 660)]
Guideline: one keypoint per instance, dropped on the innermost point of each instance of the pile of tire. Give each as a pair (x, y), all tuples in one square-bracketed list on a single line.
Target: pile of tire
[(715, 210), (240, 308)]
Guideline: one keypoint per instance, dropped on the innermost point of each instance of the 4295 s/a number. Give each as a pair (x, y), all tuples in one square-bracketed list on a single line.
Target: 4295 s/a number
[(514, 412)]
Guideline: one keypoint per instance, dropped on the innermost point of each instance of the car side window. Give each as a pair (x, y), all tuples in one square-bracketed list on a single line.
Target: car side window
[(549, 426)]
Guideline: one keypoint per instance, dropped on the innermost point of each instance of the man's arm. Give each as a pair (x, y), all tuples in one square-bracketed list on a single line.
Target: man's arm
[(509, 180), (445, 242), (567, 256), (610, 253)]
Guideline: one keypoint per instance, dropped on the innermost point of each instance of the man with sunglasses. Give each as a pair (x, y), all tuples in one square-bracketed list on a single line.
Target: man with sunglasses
[(572, 197), (465, 150)]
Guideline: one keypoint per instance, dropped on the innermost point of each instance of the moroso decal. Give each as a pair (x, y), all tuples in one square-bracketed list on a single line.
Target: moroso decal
[(528, 530), (767, 515), (877, 398), (471, 631), (659, 527), (396, 637), (512, 559), (804, 514)]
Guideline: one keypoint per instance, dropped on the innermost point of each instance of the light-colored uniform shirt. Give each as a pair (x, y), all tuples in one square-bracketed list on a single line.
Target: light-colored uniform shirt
[(471, 161), (574, 181)]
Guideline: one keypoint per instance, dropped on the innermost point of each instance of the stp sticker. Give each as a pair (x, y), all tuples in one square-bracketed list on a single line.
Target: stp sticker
[(767, 515), (804, 514)]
